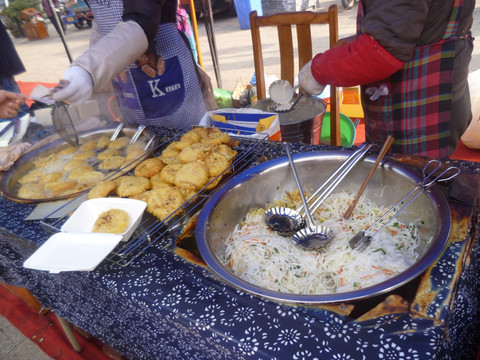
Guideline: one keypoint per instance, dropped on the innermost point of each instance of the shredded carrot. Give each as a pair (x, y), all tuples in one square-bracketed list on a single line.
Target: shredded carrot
[(368, 276), (386, 271)]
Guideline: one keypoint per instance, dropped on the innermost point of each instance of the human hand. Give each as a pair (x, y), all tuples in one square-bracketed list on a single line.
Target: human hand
[(76, 86), (10, 103), (307, 82), (345, 41)]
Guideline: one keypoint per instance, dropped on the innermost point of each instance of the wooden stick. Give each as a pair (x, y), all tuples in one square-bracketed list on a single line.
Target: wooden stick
[(381, 155)]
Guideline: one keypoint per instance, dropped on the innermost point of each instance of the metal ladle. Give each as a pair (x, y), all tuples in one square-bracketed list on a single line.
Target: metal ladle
[(282, 99), (313, 236), (361, 241), (287, 222)]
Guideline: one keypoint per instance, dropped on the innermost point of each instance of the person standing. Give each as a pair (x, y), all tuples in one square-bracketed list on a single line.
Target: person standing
[(144, 55), (411, 59), (10, 65)]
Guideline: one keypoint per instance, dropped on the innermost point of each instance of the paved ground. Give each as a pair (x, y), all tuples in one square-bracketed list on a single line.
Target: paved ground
[(46, 60)]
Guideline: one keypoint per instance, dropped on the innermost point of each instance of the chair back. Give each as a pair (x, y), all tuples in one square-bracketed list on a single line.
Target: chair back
[(303, 21)]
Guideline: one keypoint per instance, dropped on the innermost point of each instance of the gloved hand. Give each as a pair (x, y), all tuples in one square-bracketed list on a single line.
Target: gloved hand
[(106, 59), (78, 86), (376, 92), (307, 82), (11, 153)]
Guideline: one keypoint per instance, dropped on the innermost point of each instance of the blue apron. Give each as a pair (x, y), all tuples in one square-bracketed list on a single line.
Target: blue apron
[(167, 94)]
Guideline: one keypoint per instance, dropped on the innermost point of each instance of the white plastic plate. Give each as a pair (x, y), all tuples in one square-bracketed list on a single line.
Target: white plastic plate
[(83, 219), (72, 252)]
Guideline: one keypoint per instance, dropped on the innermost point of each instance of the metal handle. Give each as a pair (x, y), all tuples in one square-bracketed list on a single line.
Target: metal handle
[(290, 160), (332, 182), (425, 184)]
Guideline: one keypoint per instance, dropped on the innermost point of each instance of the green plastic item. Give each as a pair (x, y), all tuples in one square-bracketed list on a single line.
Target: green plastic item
[(223, 98), (347, 130)]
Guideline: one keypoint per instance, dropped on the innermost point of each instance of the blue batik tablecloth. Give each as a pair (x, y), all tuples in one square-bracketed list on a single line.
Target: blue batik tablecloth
[(168, 306)]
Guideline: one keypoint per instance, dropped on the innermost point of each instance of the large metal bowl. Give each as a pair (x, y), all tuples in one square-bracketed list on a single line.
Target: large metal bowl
[(268, 181)]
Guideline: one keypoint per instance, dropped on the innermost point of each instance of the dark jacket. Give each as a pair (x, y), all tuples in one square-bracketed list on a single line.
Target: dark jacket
[(10, 62), (401, 25)]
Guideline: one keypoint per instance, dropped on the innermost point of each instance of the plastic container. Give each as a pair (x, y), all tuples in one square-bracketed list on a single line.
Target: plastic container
[(347, 130), (244, 8)]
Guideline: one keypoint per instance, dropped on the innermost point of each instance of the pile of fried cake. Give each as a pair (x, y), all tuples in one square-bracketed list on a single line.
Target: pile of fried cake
[(69, 170), (196, 161)]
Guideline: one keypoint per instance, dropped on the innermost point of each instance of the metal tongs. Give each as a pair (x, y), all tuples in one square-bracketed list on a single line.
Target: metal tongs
[(286, 221), (361, 241)]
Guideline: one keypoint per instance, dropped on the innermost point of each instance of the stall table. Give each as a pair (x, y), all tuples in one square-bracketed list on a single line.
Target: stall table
[(167, 304)]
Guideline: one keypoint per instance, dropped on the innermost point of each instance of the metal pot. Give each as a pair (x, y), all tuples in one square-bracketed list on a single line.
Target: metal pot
[(301, 124), (268, 181)]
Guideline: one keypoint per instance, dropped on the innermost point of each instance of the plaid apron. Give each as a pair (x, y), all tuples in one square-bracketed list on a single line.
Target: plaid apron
[(417, 110)]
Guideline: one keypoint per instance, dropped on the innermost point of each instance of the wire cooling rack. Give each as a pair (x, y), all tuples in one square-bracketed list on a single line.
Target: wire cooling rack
[(153, 232)]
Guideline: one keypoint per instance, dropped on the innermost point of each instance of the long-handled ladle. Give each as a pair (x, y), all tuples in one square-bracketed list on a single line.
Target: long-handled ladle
[(313, 236), (286, 221)]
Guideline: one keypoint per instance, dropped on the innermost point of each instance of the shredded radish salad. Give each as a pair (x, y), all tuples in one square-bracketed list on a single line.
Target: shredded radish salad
[(262, 257)]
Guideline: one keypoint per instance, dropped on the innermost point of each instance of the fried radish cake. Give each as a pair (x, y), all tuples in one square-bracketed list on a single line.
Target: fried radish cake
[(31, 191), (112, 163), (164, 200), (216, 164), (149, 167), (216, 137), (194, 152), (133, 185), (168, 172), (113, 221), (102, 189), (192, 175)]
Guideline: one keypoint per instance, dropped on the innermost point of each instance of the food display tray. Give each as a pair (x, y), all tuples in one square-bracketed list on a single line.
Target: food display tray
[(153, 232)]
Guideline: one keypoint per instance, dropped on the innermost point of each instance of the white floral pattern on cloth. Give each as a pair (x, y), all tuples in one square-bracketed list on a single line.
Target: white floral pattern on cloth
[(163, 307)]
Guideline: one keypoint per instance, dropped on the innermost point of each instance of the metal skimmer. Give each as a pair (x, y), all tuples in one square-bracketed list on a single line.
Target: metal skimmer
[(287, 221), (63, 124)]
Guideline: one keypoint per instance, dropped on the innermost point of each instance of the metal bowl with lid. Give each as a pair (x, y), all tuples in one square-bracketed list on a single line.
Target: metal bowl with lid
[(257, 186)]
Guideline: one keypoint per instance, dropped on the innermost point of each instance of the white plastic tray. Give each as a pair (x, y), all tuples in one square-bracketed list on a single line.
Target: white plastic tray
[(72, 252), (83, 219)]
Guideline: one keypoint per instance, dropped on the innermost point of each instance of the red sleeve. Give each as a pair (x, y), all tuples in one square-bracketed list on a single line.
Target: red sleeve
[(360, 62)]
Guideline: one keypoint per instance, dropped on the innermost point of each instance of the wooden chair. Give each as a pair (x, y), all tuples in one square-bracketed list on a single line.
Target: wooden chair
[(284, 22)]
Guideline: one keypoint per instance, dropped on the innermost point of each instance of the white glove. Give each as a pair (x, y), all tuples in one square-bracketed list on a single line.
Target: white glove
[(113, 53), (11, 153), (78, 88), (376, 92), (307, 82)]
